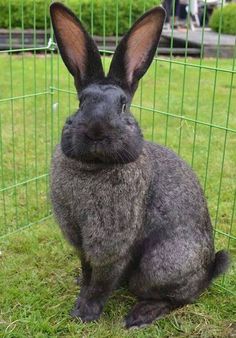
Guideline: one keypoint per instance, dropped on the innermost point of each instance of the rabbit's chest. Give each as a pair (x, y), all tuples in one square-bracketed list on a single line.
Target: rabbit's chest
[(105, 209), (109, 210)]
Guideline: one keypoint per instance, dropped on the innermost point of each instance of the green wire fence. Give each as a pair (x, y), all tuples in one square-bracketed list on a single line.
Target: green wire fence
[(185, 103)]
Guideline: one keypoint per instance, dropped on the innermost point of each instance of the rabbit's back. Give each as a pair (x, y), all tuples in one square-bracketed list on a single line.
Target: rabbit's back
[(177, 207), (175, 189)]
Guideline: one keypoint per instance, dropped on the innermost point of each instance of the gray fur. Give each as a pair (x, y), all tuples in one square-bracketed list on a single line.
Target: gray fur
[(98, 204), (106, 211)]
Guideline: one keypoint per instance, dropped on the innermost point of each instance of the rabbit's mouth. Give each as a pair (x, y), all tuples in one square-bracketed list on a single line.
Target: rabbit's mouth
[(97, 149), (83, 149), (99, 152)]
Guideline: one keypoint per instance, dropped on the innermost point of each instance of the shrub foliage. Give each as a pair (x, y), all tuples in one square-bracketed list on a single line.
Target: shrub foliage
[(100, 17), (226, 18)]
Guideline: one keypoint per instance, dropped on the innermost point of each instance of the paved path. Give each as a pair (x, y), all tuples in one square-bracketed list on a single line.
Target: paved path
[(227, 43)]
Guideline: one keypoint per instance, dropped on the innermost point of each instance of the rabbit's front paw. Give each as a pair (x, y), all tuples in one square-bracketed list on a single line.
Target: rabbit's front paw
[(87, 310)]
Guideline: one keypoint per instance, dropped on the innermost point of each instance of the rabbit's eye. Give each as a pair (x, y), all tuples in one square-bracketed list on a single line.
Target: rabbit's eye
[(123, 109), (69, 120)]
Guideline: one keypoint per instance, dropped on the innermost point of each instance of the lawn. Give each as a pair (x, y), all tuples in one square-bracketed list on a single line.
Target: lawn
[(38, 267)]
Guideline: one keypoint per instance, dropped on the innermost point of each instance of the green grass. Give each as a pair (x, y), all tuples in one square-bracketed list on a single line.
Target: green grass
[(38, 287), (38, 269)]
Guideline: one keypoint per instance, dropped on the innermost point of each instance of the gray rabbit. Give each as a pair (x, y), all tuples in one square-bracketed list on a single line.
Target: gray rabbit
[(133, 209)]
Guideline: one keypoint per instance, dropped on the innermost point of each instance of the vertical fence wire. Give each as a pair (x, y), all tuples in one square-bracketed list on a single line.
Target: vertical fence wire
[(199, 83), (46, 165), (24, 110), (212, 106), (35, 105), (4, 210), (12, 118), (169, 72), (183, 83), (104, 33)]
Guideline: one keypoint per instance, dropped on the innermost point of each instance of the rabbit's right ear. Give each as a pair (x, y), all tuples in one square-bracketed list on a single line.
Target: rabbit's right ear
[(136, 49), (77, 48)]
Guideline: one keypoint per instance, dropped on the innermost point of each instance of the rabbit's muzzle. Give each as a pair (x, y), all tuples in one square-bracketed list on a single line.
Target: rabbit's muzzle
[(85, 140), (95, 132)]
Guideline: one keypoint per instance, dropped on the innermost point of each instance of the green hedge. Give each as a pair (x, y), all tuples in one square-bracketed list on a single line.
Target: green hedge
[(83, 8), (228, 25)]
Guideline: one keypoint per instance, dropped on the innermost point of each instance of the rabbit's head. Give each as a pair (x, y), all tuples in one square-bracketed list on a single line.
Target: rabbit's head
[(103, 129)]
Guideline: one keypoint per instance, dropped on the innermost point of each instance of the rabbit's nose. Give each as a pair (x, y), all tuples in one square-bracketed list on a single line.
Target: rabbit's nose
[(93, 137), (95, 133)]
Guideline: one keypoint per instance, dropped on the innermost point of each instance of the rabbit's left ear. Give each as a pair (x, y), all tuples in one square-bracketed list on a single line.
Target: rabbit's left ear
[(137, 48), (77, 48)]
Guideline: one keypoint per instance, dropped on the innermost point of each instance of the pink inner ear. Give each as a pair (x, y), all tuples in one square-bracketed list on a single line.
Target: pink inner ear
[(139, 44), (73, 40)]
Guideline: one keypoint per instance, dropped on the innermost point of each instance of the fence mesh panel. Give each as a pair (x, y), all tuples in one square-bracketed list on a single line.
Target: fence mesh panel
[(186, 103)]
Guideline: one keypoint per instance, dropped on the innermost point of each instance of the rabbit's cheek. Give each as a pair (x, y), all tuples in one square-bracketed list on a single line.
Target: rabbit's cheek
[(132, 128)]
